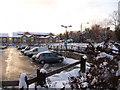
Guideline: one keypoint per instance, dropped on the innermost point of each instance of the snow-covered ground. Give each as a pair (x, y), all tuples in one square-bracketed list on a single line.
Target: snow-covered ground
[(61, 79), (69, 61)]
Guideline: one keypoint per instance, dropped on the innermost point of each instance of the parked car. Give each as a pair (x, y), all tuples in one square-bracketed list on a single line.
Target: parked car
[(35, 50), (21, 47), (26, 49), (3, 47), (49, 57), (34, 57)]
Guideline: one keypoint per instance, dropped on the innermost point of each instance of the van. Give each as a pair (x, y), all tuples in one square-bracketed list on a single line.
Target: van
[(27, 48), (35, 51)]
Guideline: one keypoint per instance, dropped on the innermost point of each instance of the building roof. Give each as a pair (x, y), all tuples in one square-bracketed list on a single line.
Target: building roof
[(4, 35), (54, 36), (44, 37), (38, 33), (28, 35), (16, 34)]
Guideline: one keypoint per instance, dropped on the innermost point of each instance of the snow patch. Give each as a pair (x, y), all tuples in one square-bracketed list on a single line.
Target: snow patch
[(85, 57), (22, 82), (103, 54), (59, 79), (69, 61), (43, 71)]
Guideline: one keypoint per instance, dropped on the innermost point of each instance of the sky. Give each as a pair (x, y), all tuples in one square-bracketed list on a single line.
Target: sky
[(48, 15)]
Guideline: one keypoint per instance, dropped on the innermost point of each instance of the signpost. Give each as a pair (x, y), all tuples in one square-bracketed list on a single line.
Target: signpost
[(65, 44)]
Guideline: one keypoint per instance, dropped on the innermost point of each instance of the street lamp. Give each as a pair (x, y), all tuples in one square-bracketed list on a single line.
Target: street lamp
[(66, 30), (65, 42)]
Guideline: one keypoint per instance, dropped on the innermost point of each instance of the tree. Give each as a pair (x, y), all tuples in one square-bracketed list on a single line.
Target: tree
[(114, 18), (117, 32)]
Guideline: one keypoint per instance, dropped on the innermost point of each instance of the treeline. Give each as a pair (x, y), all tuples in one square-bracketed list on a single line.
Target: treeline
[(95, 34), (98, 32)]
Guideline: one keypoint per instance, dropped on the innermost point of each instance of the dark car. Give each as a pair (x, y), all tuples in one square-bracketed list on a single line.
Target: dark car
[(49, 57)]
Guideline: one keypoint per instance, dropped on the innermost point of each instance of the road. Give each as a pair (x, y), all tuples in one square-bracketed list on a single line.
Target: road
[(13, 63)]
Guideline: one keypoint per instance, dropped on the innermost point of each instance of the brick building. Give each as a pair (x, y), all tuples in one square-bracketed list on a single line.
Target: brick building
[(4, 38), (32, 38)]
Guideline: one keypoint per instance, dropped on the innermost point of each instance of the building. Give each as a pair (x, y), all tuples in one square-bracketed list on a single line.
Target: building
[(119, 12), (4, 38), (32, 38)]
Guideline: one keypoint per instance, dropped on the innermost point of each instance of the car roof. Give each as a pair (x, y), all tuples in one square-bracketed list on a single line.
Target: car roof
[(46, 52)]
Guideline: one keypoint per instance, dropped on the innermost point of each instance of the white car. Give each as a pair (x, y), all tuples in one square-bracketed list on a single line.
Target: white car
[(35, 51)]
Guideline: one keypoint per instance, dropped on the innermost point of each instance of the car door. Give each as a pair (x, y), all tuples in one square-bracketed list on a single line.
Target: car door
[(54, 57), (47, 57), (35, 51)]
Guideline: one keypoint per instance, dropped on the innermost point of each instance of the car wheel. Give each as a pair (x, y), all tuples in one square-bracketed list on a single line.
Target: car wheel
[(60, 61), (33, 59), (42, 62)]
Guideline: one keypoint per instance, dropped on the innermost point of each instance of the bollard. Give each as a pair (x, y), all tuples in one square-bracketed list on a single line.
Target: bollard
[(23, 83), (41, 77), (83, 64), (57, 48), (78, 48)]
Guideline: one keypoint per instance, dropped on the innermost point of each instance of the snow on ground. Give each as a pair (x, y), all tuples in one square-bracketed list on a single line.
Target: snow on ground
[(57, 80), (69, 60), (61, 79), (103, 54)]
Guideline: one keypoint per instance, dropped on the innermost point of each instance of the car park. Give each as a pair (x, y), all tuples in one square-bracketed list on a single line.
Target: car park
[(49, 57)]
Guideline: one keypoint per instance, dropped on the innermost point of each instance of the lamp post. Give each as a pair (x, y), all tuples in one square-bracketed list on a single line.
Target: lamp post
[(81, 29), (65, 42)]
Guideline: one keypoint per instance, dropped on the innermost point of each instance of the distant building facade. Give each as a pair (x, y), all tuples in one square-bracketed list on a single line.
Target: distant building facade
[(119, 12), (32, 38), (4, 38)]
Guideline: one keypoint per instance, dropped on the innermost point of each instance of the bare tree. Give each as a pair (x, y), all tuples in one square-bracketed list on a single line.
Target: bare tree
[(114, 18), (105, 23)]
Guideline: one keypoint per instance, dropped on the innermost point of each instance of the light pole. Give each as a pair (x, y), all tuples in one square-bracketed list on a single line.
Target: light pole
[(83, 27), (65, 42)]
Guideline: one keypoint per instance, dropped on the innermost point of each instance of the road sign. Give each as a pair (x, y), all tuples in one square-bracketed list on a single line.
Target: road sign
[(65, 43)]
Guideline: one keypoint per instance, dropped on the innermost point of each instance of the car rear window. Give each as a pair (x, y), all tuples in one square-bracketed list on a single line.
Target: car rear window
[(46, 54)]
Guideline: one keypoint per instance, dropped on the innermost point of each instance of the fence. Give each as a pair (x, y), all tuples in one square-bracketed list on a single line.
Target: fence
[(16, 83)]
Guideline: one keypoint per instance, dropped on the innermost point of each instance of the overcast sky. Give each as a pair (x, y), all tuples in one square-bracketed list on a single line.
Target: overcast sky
[(48, 15)]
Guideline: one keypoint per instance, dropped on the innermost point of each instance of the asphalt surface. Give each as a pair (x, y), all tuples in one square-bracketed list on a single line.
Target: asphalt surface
[(13, 63)]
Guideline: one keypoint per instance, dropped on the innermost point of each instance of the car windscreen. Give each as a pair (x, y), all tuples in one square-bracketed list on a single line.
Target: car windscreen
[(33, 49)]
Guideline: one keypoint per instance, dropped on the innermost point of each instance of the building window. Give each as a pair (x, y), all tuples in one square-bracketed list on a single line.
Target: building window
[(50, 40), (4, 39), (24, 39), (15, 40), (0, 39), (57, 40), (32, 39)]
